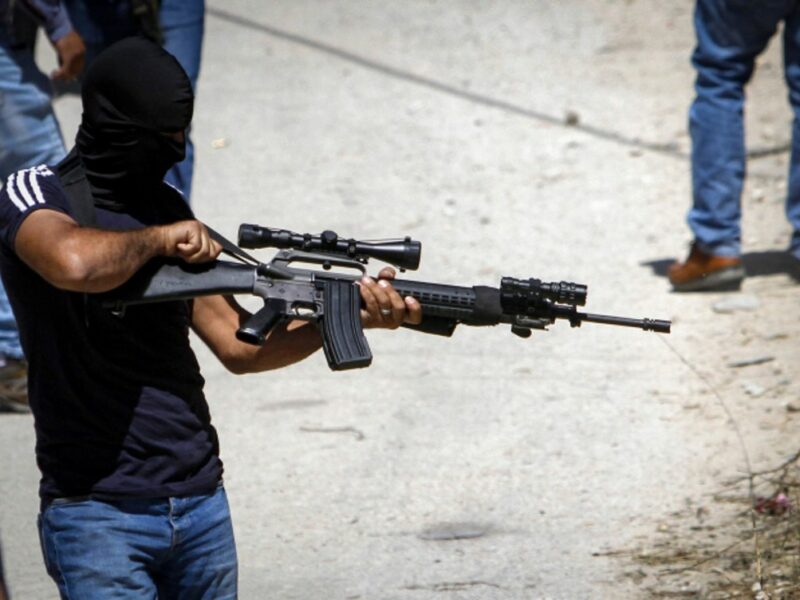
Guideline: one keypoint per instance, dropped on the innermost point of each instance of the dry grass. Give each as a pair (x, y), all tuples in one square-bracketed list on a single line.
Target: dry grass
[(750, 550)]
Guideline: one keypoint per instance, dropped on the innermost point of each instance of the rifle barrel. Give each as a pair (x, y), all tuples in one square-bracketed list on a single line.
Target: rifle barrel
[(657, 325)]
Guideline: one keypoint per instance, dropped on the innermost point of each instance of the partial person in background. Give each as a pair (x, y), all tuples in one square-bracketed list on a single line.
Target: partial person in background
[(730, 36), (29, 135), (3, 590), (177, 25)]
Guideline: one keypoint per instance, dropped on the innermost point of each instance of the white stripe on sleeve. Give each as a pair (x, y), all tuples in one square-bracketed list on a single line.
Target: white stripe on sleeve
[(23, 189), (37, 191), (12, 193)]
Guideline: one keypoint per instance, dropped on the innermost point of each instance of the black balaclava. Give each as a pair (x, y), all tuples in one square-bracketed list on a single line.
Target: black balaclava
[(133, 93)]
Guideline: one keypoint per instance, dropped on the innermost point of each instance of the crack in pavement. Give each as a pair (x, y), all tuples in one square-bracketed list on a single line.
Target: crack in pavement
[(667, 149), (451, 586)]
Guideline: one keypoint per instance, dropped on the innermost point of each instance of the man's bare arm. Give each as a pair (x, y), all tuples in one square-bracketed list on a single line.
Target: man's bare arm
[(215, 319), (84, 259)]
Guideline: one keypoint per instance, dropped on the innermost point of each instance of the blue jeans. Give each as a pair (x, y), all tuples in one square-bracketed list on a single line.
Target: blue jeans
[(3, 589), (182, 21), (730, 35), (179, 548), (29, 136)]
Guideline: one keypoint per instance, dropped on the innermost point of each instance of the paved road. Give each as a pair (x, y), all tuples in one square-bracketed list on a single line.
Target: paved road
[(513, 138)]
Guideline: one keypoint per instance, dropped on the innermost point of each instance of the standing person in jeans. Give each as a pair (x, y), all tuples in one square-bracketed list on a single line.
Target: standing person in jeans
[(3, 590), (29, 135), (730, 36), (132, 503), (176, 24)]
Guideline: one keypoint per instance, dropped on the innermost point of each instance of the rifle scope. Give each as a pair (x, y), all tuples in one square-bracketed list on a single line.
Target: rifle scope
[(402, 253), (516, 295)]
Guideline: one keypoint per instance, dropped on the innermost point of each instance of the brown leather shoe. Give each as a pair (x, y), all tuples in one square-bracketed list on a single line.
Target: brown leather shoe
[(703, 272)]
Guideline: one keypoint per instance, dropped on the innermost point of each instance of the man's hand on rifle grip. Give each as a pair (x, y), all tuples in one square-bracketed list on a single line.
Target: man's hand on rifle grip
[(383, 306)]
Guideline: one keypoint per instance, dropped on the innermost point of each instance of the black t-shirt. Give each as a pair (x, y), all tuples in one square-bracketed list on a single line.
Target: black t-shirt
[(117, 398)]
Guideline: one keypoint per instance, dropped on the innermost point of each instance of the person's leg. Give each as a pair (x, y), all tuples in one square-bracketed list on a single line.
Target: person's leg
[(29, 132), (182, 23), (29, 136), (3, 589), (730, 34), (100, 24), (203, 564), (95, 550), (791, 56)]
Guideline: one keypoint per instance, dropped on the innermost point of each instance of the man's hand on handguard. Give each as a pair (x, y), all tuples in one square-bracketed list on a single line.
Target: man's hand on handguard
[(190, 241), (383, 306)]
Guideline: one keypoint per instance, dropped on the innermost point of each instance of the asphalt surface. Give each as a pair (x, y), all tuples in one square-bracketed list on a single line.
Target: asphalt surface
[(529, 139)]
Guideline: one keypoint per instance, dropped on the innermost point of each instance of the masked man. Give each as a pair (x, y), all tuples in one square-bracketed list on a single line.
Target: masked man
[(132, 500)]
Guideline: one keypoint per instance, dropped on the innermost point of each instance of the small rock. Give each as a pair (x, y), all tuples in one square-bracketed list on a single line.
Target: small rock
[(753, 389), (572, 118), (793, 407), (454, 531), (776, 336), (219, 143), (701, 513), (738, 303)]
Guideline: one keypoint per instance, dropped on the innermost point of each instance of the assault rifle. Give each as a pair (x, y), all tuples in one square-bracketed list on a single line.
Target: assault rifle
[(332, 300)]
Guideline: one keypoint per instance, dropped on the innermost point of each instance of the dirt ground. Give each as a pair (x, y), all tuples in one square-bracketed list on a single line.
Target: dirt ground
[(532, 138)]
